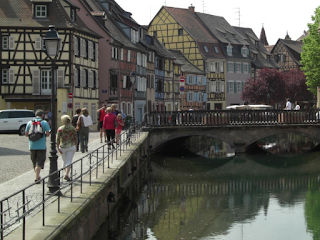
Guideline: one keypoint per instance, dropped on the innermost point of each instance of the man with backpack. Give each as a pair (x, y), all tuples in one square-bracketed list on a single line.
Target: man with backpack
[(37, 130)]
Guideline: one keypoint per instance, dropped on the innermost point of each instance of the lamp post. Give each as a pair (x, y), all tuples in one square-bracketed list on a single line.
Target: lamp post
[(133, 80), (268, 97), (52, 43)]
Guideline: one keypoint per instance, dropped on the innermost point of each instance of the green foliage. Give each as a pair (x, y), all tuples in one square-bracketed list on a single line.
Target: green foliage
[(310, 56), (312, 209)]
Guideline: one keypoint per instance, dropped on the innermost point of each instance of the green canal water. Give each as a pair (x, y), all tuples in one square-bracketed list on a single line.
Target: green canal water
[(271, 193)]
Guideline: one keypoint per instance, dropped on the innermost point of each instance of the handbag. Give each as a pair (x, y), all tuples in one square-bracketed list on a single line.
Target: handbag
[(78, 127), (115, 122)]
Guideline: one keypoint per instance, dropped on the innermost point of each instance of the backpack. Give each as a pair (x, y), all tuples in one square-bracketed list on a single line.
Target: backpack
[(35, 131)]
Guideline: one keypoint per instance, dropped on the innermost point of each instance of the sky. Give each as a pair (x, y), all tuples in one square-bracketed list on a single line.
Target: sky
[(277, 16)]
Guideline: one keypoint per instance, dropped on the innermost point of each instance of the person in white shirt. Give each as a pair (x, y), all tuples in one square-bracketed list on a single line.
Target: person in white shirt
[(288, 105), (297, 107)]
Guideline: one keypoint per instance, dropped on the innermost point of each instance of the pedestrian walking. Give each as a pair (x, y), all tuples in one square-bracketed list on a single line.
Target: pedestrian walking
[(84, 122), (288, 105), (74, 123), (114, 109), (109, 126), (101, 113), (38, 148), (297, 107), (119, 128), (66, 143)]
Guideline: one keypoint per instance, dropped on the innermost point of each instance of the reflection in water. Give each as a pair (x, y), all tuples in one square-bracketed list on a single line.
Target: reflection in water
[(243, 197), (287, 144)]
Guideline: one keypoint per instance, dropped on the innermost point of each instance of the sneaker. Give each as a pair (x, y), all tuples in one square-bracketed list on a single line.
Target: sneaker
[(67, 178)]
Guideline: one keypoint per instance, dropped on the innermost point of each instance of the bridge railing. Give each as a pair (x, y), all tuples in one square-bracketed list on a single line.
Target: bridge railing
[(231, 117)]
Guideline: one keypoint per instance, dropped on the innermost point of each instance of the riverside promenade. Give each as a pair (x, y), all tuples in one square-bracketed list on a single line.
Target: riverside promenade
[(58, 214)]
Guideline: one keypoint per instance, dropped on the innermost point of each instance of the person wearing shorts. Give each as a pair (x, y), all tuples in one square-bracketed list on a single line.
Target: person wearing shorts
[(38, 148), (102, 112)]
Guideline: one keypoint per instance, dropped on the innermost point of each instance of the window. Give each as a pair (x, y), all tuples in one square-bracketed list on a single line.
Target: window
[(121, 54), (155, 33), (151, 57), (200, 80), (180, 32), (113, 82), (90, 49), (244, 51), (280, 58), (230, 86), (41, 11), (190, 96), (255, 56), (114, 53), (5, 42), (245, 68), (72, 15), (205, 48), (83, 48), (219, 67), (216, 49), (218, 87), (46, 82), (229, 50), (238, 67), (230, 67), (238, 87), (268, 57)]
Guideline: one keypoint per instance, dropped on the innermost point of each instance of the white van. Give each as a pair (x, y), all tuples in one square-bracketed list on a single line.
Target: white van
[(15, 120)]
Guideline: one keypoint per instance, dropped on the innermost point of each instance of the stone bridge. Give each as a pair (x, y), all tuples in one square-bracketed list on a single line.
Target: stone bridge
[(239, 129)]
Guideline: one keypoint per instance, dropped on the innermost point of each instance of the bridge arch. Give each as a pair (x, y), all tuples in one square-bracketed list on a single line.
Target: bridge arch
[(238, 136)]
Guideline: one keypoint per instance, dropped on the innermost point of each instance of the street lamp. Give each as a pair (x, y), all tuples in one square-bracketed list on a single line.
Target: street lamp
[(133, 80), (52, 43), (268, 97)]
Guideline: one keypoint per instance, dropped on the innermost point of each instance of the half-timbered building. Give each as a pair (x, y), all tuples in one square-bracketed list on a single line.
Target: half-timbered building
[(181, 29), (26, 68), (194, 94), (287, 53), (128, 55)]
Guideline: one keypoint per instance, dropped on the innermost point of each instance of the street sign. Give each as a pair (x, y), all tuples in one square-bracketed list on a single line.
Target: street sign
[(182, 89), (182, 79), (70, 105), (70, 95)]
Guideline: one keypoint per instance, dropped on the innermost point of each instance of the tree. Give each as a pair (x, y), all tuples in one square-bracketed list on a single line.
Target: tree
[(269, 81), (310, 57), (296, 88)]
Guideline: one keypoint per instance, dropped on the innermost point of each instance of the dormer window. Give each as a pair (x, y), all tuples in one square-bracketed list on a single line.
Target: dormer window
[(41, 11), (73, 15), (229, 50), (256, 43), (244, 51), (255, 56), (216, 49), (268, 57), (233, 36), (205, 48)]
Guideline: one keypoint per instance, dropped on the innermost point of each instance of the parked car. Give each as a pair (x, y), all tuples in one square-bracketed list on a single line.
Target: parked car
[(15, 120)]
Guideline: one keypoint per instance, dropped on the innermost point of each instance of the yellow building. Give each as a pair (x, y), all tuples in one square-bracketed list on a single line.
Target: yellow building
[(180, 29), (26, 68)]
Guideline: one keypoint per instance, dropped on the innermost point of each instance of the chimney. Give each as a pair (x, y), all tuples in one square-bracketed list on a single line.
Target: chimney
[(191, 9)]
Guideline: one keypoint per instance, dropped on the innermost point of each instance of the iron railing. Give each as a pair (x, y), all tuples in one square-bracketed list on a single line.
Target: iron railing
[(231, 117), (16, 208)]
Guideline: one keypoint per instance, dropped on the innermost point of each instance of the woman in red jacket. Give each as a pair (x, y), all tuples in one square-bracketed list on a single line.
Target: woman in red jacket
[(108, 125)]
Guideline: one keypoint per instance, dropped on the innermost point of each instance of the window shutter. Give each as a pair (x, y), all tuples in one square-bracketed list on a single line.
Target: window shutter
[(60, 77), (242, 84), (124, 81), (97, 50), (204, 97), (228, 86), (204, 80), (38, 43), (195, 80), (129, 56), (222, 86), (82, 78), (36, 82), (227, 67), (214, 86), (90, 79), (11, 42), (188, 97), (75, 45), (187, 79), (97, 79), (242, 67), (75, 77), (11, 75), (235, 87), (121, 54)]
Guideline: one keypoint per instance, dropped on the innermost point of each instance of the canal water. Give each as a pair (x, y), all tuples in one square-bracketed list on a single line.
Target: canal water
[(271, 192)]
